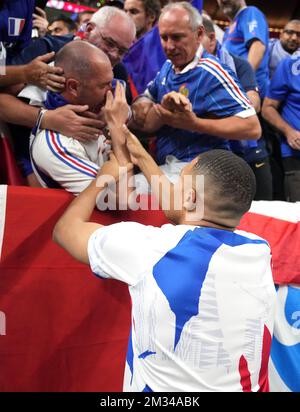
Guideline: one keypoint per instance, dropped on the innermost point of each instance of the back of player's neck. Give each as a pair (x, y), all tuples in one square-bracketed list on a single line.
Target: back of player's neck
[(207, 223)]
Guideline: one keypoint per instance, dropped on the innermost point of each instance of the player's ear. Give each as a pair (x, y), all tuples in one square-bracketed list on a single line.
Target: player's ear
[(189, 200), (72, 87)]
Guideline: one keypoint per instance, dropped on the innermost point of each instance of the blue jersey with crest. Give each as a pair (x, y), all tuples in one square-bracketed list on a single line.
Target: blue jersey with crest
[(285, 87), (214, 92), (15, 25), (250, 24)]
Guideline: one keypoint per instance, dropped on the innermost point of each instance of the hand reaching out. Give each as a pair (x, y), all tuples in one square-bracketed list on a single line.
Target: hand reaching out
[(134, 146), (38, 72), (74, 121), (116, 109), (112, 169), (140, 110), (40, 21), (177, 119), (293, 138), (176, 102)]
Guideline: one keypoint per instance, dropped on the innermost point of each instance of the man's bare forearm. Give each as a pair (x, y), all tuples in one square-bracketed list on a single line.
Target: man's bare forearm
[(150, 124), (253, 96), (119, 144), (13, 75), (256, 54), (153, 122), (233, 128), (13, 110), (74, 229), (162, 189), (274, 118)]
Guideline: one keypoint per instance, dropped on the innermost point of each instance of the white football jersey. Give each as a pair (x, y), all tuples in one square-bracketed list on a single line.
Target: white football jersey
[(202, 305)]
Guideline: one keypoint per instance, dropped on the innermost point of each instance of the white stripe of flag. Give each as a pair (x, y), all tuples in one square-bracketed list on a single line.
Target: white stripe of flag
[(15, 26)]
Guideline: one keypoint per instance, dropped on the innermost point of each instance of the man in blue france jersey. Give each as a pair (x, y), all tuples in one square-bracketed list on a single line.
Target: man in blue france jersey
[(248, 37), (202, 292), (287, 44), (247, 149), (15, 26), (219, 109), (282, 109)]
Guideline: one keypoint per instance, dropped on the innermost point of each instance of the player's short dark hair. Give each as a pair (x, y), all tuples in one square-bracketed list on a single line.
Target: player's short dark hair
[(229, 177)]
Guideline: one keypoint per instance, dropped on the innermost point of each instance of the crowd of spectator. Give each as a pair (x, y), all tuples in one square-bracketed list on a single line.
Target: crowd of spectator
[(202, 291), (263, 73)]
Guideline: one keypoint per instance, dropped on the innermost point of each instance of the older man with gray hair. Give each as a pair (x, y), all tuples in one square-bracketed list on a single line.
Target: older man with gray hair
[(193, 105)]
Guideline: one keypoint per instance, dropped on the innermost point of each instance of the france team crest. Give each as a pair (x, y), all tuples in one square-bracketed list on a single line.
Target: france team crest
[(15, 26)]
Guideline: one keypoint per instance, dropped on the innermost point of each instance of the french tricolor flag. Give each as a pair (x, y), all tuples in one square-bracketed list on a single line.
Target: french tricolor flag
[(15, 26)]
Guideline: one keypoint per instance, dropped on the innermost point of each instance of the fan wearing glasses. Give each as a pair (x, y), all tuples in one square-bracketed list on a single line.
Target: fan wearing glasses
[(285, 46), (113, 34)]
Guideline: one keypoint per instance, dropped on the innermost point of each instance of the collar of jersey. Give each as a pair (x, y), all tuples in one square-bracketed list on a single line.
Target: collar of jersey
[(194, 62)]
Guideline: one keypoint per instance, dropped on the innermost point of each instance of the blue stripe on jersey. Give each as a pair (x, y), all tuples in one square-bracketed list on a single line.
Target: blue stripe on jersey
[(181, 272), (286, 361), (145, 354), (64, 160), (77, 159), (147, 389), (130, 355), (48, 181)]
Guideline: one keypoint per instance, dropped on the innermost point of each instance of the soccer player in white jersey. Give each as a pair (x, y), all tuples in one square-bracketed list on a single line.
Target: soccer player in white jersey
[(202, 292)]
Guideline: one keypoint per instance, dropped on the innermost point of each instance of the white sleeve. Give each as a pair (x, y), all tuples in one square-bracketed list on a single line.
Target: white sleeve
[(64, 160), (35, 94), (127, 251), (246, 113)]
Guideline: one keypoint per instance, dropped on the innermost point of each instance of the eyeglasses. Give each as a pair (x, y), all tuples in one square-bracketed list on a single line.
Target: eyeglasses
[(112, 45), (291, 32)]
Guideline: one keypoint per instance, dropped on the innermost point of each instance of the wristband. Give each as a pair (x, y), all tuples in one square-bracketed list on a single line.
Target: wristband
[(41, 114)]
